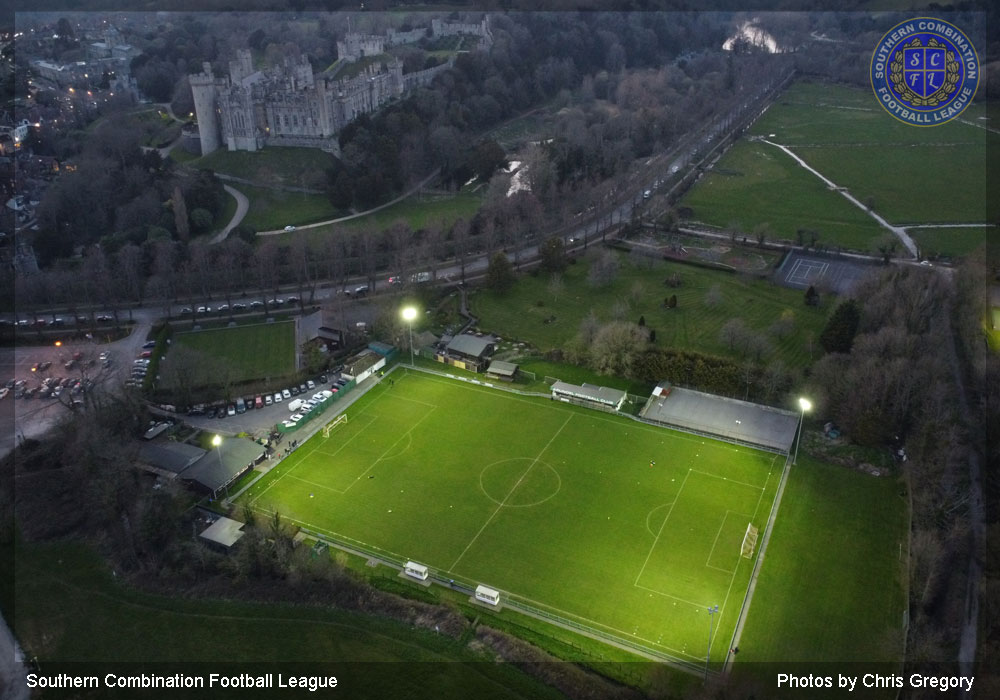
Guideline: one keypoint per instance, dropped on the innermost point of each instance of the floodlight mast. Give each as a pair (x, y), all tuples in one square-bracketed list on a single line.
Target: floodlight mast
[(217, 443), (711, 615), (804, 405), (409, 314)]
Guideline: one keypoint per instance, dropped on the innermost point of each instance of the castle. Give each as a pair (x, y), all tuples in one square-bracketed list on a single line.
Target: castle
[(288, 105)]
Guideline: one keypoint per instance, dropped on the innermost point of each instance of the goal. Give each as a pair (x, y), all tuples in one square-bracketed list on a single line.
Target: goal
[(749, 541), (342, 418)]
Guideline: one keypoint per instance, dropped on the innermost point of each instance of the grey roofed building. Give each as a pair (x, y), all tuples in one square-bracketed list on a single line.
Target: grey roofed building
[(220, 467), (169, 458), (471, 345), (224, 532), (502, 369), (730, 419), (597, 394)]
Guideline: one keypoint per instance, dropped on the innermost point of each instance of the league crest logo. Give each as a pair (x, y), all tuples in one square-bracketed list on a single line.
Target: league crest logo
[(924, 71)]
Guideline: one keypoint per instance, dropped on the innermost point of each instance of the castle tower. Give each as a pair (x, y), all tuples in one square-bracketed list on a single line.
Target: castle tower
[(204, 90)]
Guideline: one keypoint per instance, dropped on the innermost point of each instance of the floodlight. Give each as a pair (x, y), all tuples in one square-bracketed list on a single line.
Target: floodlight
[(805, 404), (409, 314), (216, 440)]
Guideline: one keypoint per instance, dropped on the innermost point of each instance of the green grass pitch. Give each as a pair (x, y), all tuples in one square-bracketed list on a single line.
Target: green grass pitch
[(557, 505), (252, 351)]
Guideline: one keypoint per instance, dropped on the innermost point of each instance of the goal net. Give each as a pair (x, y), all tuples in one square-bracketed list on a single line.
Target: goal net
[(749, 541), (342, 418)]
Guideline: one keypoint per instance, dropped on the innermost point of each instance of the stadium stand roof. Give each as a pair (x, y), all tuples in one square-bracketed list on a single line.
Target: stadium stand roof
[(224, 531), (597, 394), (502, 369), (219, 467), (730, 419), (169, 458), (471, 345)]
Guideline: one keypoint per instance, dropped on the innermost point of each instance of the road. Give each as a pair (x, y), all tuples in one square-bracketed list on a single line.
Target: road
[(242, 207)]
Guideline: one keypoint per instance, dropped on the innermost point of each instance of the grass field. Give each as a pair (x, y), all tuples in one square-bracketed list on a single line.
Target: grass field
[(272, 210), (53, 583), (954, 241), (560, 508), (914, 175), (251, 351), (690, 326), (855, 573), (295, 167), (937, 175), (756, 183)]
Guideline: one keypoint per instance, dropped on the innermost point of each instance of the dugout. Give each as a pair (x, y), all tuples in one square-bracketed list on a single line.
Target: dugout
[(732, 420), (415, 570), (599, 397), (487, 595)]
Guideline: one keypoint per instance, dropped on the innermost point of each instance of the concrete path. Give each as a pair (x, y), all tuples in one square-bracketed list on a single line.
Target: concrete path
[(898, 231), (242, 207)]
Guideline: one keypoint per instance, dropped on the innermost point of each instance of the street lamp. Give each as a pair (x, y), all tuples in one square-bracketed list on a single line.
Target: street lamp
[(711, 615), (804, 405), (217, 443), (409, 314)]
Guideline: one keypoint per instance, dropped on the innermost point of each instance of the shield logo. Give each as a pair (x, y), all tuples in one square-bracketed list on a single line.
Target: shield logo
[(924, 69)]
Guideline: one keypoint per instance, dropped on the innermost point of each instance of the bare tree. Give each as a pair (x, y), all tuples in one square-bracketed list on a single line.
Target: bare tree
[(733, 333)]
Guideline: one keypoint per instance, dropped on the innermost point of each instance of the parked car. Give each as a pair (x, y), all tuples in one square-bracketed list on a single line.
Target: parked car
[(268, 400), (310, 384), (146, 353), (240, 407), (294, 390), (197, 410), (289, 228), (220, 412), (239, 307), (223, 307), (279, 397), (186, 311), (292, 300), (3, 392), (256, 304), (323, 379), (258, 402), (303, 388), (44, 366), (231, 410), (104, 318), (204, 309)]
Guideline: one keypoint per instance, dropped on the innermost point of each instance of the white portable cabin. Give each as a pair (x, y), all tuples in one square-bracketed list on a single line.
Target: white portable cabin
[(487, 595), (417, 571)]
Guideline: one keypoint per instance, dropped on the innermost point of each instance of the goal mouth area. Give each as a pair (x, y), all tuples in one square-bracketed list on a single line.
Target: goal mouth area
[(342, 418)]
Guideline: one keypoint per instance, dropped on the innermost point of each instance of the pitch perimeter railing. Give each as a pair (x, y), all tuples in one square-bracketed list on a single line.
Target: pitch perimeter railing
[(512, 601)]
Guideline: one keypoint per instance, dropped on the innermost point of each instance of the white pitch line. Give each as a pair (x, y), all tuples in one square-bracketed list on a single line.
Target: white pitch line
[(660, 531), (391, 447), (716, 541), (509, 493)]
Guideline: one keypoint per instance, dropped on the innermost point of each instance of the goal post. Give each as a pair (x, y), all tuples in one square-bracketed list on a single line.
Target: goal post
[(749, 541), (342, 418)]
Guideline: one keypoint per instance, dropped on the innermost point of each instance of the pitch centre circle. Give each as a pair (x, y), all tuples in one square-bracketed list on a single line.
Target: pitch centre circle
[(519, 482)]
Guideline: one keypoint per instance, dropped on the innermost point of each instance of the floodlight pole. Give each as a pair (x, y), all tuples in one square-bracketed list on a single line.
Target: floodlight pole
[(804, 406), (410, 325), (711, 615)]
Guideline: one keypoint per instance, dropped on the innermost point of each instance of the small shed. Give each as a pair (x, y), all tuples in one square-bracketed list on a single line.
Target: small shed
[(223, 533), (504, 371)]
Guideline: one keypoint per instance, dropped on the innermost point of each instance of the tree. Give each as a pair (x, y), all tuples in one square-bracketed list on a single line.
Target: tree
[(838, 335), (733, 333), (672, 302), (552, 254), (500, 274), (180, 215), (812, 296), (615, 346), (603, 270), (201, 219)]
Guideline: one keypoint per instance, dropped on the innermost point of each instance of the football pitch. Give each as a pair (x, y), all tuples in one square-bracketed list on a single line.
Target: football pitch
[(630, 530)]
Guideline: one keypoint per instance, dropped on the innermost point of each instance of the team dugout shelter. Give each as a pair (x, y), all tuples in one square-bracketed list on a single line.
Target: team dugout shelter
[(732, 420), (599, 397)]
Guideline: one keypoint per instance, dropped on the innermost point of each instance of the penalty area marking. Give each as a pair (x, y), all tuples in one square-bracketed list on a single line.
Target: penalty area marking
[(650, 515)]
